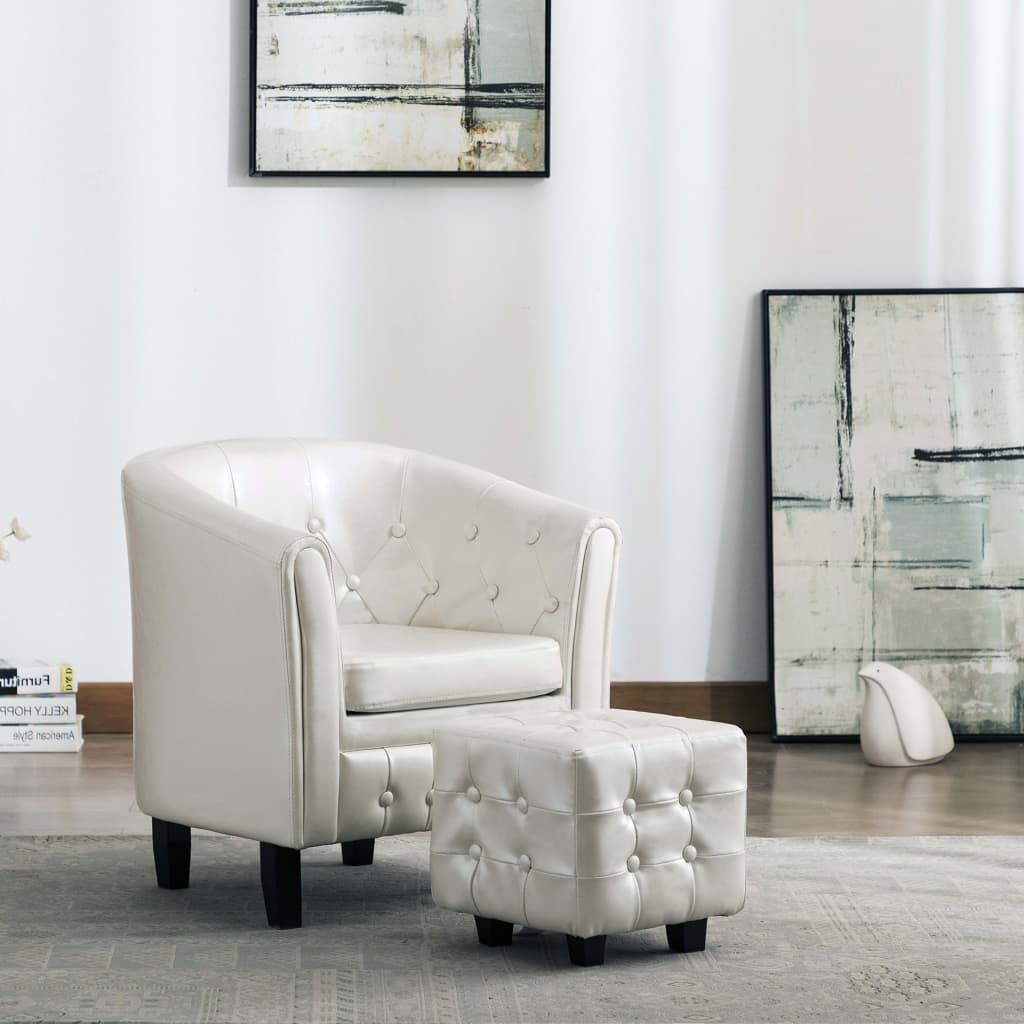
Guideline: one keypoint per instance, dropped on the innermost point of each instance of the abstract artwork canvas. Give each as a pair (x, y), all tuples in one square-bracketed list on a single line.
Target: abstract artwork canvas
[(426, 87), (896, 436)]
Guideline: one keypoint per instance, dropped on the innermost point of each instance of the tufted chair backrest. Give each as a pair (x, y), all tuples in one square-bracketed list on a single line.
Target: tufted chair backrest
[(415, 539)]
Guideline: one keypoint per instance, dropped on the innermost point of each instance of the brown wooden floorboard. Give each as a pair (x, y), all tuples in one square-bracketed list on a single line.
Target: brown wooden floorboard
[(795, 789)]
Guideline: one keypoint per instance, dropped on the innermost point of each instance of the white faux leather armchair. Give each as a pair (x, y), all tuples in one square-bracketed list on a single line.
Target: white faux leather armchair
[(306, 612)]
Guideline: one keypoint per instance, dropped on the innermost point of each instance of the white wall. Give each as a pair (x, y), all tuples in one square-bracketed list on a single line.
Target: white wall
[(596, 335)]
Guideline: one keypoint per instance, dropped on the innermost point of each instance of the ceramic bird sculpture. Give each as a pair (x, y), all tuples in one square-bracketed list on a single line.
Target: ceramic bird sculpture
[(901, 724)]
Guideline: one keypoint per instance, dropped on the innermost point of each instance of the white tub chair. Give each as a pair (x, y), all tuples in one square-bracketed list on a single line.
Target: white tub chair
[(306, 612)]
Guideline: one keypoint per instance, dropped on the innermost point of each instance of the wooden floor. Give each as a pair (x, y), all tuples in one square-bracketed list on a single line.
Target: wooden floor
[(795, 790)]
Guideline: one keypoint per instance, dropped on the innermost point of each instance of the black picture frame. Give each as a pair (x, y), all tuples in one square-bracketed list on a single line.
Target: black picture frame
[(766, 295), (255, 172)]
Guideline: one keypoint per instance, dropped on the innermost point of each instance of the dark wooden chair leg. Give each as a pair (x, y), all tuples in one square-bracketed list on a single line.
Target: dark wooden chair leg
[(172, 852), (491, 932), (688, 937), (357, 853), (281, 874), (586, 952)]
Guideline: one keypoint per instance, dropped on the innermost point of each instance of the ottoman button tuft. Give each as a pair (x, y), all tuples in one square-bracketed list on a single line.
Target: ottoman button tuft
[(430, 798), (352, 581), (689, 854), (315, 524), (471, 531), (525, 862), (474, 794), (522, 804), (629, 807), (686, 797), (633, 864), (475, 852), (492, 592), (387, 798), (397, 530)]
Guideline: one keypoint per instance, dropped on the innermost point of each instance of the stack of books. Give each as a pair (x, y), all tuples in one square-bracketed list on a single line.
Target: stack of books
[(38, 708)]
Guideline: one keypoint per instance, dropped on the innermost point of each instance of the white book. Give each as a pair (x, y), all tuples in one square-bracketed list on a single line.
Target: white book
[(51, 709), (65, 738), (44, 675)]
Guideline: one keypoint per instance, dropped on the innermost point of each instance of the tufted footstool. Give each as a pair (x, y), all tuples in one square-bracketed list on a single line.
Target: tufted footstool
[(588, 823)]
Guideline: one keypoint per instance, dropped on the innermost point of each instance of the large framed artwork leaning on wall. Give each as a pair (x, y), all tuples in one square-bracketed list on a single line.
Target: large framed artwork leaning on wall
[(403, 87), (896, 490)]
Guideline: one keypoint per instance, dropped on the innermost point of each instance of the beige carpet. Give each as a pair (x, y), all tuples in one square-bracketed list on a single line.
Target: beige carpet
[(901, 930)]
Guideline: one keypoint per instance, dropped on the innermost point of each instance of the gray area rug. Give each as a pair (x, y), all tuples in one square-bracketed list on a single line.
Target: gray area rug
[(922, 929)]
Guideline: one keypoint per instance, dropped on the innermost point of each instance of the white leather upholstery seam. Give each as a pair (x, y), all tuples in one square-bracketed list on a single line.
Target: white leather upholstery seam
[(401, 491), (585, 878), (667, 802), (416, 610), (456, 656), (568, 755), (309, 476), (387, 788), (502, 800), (202, 527), (231, 472), (472, 879), (296, 811), (636, 833), (463, 700), (576, 846)]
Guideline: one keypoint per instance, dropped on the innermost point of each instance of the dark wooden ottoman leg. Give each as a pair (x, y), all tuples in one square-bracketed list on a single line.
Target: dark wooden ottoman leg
[(688, 937), (172, 852), (493, 933), (357, 853), (586, 952), (281, 875)]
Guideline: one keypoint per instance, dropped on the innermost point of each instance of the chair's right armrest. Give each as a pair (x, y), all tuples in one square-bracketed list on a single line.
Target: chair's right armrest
[(236, 665)]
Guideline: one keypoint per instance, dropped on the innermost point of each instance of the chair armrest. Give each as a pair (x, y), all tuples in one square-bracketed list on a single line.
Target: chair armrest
[(236, 665)]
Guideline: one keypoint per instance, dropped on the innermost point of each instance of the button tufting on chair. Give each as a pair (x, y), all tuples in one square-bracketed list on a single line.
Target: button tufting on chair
[(629, 807), (472, 530), (689, 854), (633, 864), (387, 798), (352, 581), (475, 852), (473, 794), (522, 805), (551, 605), (397, 530), (686, 797), (430, 588), (525, 863), (430, 798), (315, 525), (492, 592), (533, 536)]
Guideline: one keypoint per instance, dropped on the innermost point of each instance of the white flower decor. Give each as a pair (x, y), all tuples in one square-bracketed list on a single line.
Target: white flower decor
[(17, 531)]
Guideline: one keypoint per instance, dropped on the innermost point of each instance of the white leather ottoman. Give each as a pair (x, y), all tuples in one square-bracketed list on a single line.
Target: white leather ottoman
[(589, 822)]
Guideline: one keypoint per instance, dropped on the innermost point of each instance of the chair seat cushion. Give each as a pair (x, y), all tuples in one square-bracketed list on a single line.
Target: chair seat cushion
[(402, 668)]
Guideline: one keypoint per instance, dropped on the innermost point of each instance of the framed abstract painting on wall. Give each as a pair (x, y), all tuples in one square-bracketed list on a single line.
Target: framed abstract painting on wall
[(400, 87), (896, 492)]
